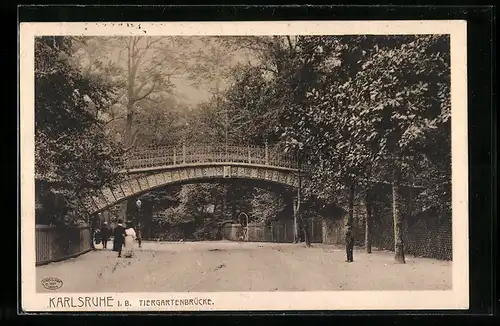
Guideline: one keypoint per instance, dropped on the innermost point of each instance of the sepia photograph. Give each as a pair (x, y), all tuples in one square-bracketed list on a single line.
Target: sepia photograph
[(187, 171)]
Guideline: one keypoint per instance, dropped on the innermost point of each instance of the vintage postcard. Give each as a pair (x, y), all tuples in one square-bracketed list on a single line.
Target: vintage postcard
[(219, 166)]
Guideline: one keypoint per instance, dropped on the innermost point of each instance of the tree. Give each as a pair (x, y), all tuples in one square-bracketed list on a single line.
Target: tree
[(370, 113), (368, 221), (398, 98), (312, 66), (266, 99), (251, 106), (144, 67), (266, 206), (73, 155), (405, 86)]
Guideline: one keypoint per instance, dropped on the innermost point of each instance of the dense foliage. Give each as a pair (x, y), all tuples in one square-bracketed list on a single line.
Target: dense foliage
[(73, 154), (369, 116)]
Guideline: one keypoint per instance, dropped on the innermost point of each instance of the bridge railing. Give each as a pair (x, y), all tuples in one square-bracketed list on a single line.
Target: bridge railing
[(168, 156)]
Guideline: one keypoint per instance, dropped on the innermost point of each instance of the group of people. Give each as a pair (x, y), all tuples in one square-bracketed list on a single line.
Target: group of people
[(124, 236)]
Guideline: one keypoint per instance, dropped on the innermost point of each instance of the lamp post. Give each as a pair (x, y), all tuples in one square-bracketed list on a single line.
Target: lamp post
[(138, 203), (246, 226)]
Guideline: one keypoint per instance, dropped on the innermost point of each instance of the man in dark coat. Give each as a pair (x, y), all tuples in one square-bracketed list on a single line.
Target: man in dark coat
[(105, 235), (119, 237), (349, 245)]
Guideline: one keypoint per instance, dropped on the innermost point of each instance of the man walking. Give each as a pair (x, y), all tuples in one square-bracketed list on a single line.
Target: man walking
[(349, 244), (119, 237), (139, 234), (105, 235)]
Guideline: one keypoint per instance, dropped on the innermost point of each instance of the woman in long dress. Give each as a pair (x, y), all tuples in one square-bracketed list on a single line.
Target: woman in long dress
[(130, 237)]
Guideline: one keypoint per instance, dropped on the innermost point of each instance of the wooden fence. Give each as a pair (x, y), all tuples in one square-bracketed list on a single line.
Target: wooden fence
[(281, 232), (57, 243)]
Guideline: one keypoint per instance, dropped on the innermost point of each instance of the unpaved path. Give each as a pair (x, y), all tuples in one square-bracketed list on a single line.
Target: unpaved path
[(233, 266)]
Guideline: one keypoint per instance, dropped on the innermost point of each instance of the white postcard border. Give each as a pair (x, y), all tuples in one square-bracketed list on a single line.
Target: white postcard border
[(457, 298)]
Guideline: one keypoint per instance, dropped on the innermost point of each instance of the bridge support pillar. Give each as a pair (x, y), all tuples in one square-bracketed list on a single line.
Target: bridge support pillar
[(183, 153)]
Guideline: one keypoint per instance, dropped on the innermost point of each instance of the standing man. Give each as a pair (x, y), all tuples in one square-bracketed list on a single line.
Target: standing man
[(349, 244), (105, 235), (119, 237)]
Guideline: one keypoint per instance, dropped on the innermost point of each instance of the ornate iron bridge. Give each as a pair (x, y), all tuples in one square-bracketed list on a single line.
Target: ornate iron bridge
[(155, 167), (154, 158)]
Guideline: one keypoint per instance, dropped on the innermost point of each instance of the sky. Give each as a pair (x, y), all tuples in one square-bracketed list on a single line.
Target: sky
[(189, 94), (187, 50)]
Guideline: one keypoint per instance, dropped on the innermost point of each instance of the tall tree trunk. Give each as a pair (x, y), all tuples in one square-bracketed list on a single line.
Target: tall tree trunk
[(297, 215), (368, 223), (349, 232), (295, 225), (127, 142), (127, 139), (399, 254)]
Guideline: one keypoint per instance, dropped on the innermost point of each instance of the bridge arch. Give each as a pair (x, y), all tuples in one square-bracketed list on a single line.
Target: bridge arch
[(143, 180)]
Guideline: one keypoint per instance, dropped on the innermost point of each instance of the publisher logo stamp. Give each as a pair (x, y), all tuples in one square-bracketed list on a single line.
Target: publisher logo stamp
[(52, 283)]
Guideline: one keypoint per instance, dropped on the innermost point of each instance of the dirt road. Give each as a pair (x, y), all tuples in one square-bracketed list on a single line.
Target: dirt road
[(232, 266)]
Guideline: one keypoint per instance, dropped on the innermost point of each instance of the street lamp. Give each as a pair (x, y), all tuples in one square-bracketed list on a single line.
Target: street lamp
[(138, 203)]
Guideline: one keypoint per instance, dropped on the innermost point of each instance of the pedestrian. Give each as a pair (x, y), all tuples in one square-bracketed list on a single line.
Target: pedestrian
[(119, 237), (130, 237), (105, 235), (139, 234), (97, 237), (349, 245)]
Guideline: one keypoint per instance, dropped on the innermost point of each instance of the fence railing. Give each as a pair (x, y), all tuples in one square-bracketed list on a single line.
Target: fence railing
[(280, 232), (167, 156), (56, 243)]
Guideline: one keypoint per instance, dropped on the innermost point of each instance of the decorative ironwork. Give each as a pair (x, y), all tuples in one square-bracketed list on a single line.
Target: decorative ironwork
[(156, 166)]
